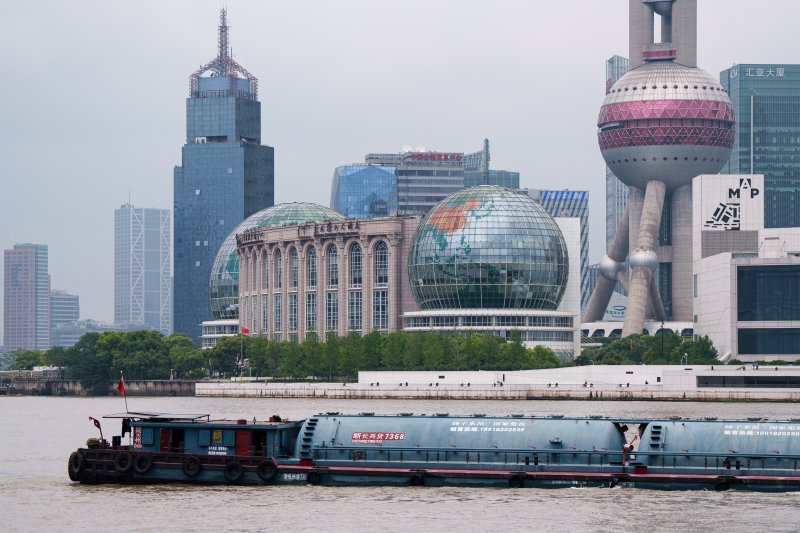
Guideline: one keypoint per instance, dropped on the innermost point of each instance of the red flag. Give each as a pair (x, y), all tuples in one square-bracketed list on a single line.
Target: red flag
[(245, 331), (96, 422), (121, 385)]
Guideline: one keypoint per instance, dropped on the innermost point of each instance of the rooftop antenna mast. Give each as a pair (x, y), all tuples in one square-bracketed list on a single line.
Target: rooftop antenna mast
[(224, 65)]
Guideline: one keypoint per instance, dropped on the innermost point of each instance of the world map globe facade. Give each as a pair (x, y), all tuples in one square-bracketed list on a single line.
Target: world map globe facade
[(224, 281), (488, 247), (665, 121)]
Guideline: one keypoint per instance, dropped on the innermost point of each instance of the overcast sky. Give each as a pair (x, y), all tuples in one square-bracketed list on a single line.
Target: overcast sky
[(93, 94)]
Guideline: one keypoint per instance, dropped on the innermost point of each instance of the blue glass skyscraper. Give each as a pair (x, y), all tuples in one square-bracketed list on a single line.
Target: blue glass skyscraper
[(225, 176), (364, 191), (766, 104)]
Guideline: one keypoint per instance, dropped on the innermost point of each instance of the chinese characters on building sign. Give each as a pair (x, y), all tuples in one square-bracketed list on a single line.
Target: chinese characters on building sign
[(764, 72), (376, 437)]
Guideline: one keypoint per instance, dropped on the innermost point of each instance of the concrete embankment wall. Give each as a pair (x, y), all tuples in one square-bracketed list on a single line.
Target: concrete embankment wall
[(484, 392), (62, 387)]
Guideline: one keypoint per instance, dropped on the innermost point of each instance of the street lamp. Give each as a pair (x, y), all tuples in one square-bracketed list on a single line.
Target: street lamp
[(662, 340), (685, 358)]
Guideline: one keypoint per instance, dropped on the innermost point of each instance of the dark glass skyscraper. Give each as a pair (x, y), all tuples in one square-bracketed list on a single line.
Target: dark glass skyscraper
[(766, 104), (225, 176)]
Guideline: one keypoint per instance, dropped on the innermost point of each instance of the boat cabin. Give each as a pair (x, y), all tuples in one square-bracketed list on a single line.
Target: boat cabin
[(197, 434)]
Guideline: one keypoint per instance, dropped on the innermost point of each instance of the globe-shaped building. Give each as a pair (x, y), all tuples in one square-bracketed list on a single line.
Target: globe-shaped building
[(665, 121), (224, 282), (488, 247)]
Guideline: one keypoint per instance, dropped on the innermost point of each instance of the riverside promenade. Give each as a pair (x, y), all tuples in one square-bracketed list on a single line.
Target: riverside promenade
[(594, 382)]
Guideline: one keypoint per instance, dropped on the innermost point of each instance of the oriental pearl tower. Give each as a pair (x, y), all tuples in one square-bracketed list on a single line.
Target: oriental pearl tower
[(661, 124)]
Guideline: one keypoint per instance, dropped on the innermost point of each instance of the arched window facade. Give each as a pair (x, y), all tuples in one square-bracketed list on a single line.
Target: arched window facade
[(355, 265), (278, 270), (381, 265), (311, 268), (293, 269), (333, 267), (264, 272), (253, 272)]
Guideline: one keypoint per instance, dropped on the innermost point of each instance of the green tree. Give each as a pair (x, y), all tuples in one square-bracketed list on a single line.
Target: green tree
[(93, 370), (543, 357), (140, 354), (314, 356), (225, 354), (187, 362), (27, 359), (394, 350), (331, 353)]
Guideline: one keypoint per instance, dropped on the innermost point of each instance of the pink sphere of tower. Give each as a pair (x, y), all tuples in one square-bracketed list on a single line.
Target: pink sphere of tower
[(665, 121)]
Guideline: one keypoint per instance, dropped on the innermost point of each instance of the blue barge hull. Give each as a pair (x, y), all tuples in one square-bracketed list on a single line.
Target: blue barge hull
[(443, 450)]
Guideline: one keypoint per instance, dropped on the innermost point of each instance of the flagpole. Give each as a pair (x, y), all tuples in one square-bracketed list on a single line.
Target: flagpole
[(121, 389)]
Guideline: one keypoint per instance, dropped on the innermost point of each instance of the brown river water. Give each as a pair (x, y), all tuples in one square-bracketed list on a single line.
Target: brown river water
[(37, 435)]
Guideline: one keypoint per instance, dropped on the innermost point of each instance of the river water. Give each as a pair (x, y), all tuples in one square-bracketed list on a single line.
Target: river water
[(37, 435)]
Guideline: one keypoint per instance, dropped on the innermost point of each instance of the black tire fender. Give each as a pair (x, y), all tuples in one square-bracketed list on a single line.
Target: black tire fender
[(613, 482), (267, 470), (234, 471), (123, 462), (313, 478), (722, 485), (416, 480), (142, 463), (192, 466), (75, 465), (516, 482)]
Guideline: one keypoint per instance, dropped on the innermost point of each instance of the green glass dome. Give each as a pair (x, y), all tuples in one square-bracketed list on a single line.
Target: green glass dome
[(224, 282), (488, 247)]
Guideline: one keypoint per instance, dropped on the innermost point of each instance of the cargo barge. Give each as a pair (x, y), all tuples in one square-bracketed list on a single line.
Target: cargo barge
[(443, 450)]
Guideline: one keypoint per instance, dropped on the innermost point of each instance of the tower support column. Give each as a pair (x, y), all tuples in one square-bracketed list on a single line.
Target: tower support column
[(643, 259)]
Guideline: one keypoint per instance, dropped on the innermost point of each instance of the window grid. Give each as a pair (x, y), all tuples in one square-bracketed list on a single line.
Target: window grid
[(354, 309), (311, 312), (380, 310), (381, 265), (276, 315), (333, 267), (293, 312), (355, 266), (311, 269), (293, 268), (331, 311)]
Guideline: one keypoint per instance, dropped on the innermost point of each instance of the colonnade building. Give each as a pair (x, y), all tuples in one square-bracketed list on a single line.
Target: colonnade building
[(335, 276)]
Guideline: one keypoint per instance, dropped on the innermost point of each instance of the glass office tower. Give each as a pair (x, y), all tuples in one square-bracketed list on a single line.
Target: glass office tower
[(364, 191), (225, 175), (142, 295), (766, 104)]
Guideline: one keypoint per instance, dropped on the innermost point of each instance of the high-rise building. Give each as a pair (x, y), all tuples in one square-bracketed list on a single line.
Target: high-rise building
[(225, 175), (423, 178), (565, 204), (65, 308), (142, 291), (661, 124), (616, 191), (26, 298), (364, 191), (766, 103)]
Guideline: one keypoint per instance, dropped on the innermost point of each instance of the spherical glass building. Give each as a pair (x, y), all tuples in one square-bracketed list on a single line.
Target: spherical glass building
[(488, 247), (224, 282)]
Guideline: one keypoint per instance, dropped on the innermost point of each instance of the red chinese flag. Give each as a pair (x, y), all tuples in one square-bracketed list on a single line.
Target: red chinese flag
[(95, 421), (245, 331), (121, 385)]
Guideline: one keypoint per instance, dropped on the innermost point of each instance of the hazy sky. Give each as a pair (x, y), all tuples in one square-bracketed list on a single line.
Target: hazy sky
[(93, 94)]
